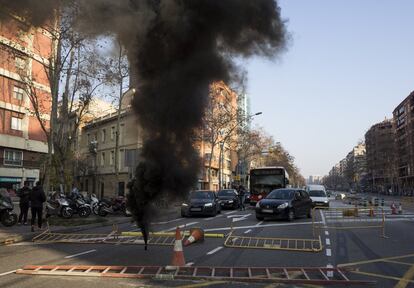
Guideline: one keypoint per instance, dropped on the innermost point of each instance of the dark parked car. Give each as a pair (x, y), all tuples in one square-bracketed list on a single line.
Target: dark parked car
[(201, 202), (228, 198), (284, 203)]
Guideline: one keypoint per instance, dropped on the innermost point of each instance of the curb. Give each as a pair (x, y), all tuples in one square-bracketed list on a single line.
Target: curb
[(12, 239), (16, 238)]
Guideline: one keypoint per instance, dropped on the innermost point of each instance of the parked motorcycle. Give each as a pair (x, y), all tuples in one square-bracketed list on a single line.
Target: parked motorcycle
[(93, 201), (79, 206), (58, 205), (7, 217), (113, 206)]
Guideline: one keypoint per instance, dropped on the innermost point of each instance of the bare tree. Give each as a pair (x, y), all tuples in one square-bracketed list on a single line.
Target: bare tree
[(118, 70), (220, 121), (276, 155), (69, 60)]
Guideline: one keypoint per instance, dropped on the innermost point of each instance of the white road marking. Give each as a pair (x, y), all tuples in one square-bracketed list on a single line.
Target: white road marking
[(247, 231), (326, 233), (328, 241), (166, 222), (78, 254), (244, 217), (215, 250), (260, 223), (182, 226), (7, 273), (323, 218), (330, 273), (231, 212), (261, 226), (211, 218), (328, 252), (189, 264), (239, 215)]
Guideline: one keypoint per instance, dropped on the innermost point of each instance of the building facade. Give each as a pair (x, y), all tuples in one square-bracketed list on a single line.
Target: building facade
[(97, 148), (379, 140), (314, 179), (403, 116), (23, 51), (224, 154)]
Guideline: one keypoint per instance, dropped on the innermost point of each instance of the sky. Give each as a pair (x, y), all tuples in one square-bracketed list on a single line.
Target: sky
[(347, 66)]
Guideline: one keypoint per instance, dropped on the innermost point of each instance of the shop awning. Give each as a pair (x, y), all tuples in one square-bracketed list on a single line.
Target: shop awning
[(10, 179)]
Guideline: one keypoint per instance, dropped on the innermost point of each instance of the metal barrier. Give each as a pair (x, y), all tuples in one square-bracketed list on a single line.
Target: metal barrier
[(159, 240), (294, 275), (289, 244), (184, 233), (114, 237), (348, 218), (52, 237)]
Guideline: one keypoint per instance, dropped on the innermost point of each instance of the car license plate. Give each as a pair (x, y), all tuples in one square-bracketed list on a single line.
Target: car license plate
[(195, 209), (319, 204), (267, 210)]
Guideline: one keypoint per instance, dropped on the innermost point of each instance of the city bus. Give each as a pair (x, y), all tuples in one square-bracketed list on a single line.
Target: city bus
[(265, 179)]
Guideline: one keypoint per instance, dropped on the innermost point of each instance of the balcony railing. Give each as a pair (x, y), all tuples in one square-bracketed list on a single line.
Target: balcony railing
[(19, 163)]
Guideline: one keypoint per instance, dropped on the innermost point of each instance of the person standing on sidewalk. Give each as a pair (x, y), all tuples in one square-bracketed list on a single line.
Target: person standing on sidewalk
[(37, 198), (241, 193), (24, 203)]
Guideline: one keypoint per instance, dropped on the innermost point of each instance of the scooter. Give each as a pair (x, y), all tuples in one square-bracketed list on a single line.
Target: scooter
[(79, 205), (7, 217), (113, 206), (58, 205), (93, 201)]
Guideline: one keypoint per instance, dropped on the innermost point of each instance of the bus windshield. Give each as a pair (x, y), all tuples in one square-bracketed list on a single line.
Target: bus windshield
[(262, 181)]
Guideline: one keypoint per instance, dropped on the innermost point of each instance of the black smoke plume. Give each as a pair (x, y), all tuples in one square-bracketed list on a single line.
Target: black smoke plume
[(176, 48)]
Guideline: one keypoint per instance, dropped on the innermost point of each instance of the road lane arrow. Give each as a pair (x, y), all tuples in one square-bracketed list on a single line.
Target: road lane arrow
[(244, 217)]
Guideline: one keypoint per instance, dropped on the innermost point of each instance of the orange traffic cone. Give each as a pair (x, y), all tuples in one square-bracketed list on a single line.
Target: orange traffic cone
[(196, 234), (178, 256)]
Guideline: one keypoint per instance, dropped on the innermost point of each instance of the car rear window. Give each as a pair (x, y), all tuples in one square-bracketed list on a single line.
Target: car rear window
[(281, 194), (317, 193), (201, 195), (226, 193)]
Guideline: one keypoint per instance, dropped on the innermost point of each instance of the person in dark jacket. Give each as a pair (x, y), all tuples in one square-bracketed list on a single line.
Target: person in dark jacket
[(37, 198), (24, 195), (241, 191)]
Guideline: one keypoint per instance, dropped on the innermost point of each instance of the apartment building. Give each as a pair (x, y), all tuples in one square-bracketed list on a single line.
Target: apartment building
[(224, 156), (23, 49), (97, 147), (403, 116)]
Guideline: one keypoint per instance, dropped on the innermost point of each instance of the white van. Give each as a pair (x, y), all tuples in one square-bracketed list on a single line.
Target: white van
[(318, 195)]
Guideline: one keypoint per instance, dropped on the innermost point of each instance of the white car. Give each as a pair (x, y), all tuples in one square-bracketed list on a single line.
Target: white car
[(318, 195)]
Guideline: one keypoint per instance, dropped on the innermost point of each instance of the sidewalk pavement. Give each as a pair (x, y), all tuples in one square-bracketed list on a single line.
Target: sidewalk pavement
[(18, 233)]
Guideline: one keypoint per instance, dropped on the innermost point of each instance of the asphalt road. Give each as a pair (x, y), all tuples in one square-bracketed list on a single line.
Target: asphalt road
[(389, 261)]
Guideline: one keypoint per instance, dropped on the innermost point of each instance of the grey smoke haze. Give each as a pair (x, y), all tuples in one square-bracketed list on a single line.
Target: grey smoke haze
[(176, 49)]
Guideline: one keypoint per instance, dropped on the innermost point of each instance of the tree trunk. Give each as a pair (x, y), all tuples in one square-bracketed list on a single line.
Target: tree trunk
[(118, 124), (209, 167)]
